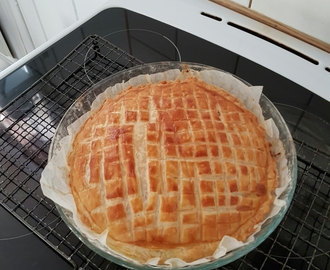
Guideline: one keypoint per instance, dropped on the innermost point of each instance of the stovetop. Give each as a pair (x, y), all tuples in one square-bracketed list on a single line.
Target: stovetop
[(35, 96)]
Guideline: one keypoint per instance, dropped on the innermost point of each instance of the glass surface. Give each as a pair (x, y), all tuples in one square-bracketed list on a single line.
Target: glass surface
[(150, 40), (146, 39), (308, 129), (83, 104)]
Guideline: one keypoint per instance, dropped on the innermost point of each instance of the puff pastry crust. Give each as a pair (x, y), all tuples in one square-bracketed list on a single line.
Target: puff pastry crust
[(168, 169)]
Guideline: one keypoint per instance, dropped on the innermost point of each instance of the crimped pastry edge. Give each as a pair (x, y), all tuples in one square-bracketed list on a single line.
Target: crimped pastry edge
[(77, 124)]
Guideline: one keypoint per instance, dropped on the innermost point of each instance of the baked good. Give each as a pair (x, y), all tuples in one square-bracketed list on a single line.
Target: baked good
[(168, 169)]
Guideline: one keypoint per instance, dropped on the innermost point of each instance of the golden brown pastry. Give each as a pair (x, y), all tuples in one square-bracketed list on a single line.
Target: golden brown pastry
[(168, 169)]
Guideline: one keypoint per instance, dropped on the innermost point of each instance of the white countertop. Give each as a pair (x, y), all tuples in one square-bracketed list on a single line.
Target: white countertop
[(186, 15)]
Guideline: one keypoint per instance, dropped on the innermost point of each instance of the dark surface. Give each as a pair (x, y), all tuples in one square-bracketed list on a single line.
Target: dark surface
[(21, 249), (29, 116)]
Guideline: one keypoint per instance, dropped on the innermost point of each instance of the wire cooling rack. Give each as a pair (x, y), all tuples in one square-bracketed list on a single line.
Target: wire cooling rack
[(28, 123)]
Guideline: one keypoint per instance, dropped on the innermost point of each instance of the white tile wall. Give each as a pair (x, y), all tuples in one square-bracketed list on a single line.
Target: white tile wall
[(55, 15), (245, 3), (309, 16), (46, 18), (32, 21), (5, 55), (3, 46), (14, 28), (85, 7)]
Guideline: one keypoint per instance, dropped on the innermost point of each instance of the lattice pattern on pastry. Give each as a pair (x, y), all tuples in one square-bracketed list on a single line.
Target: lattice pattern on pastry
[(172, 163)]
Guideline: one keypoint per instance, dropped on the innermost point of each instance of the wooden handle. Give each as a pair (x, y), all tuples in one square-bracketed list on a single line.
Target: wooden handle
[(274, 24)]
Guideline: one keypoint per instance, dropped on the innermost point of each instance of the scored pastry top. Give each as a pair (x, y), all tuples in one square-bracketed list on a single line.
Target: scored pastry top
[(168, 169)]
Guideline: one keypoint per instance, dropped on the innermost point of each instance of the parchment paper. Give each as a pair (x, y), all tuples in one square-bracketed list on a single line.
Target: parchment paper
[(54, 182)]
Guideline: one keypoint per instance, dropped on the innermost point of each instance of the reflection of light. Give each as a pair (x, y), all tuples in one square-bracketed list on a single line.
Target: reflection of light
[(1, 117), (21, 76), (25, 69)]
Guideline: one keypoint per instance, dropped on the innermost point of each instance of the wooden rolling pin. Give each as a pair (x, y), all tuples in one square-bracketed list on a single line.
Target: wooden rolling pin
[(274, 24)]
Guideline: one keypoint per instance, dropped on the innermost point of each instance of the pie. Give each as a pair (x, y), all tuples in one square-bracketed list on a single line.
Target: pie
[(167, 169)]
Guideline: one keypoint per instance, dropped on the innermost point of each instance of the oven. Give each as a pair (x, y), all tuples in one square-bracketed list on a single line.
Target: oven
[(37, 90)]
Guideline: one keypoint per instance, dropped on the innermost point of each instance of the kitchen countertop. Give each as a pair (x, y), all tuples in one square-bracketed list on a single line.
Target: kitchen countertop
[(148, 41), (282, 53)]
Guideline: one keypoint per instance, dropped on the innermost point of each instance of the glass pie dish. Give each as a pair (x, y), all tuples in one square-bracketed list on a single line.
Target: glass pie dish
[(84, 103)]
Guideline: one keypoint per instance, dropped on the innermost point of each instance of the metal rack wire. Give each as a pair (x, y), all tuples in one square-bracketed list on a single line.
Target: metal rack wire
[(300, 242)]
